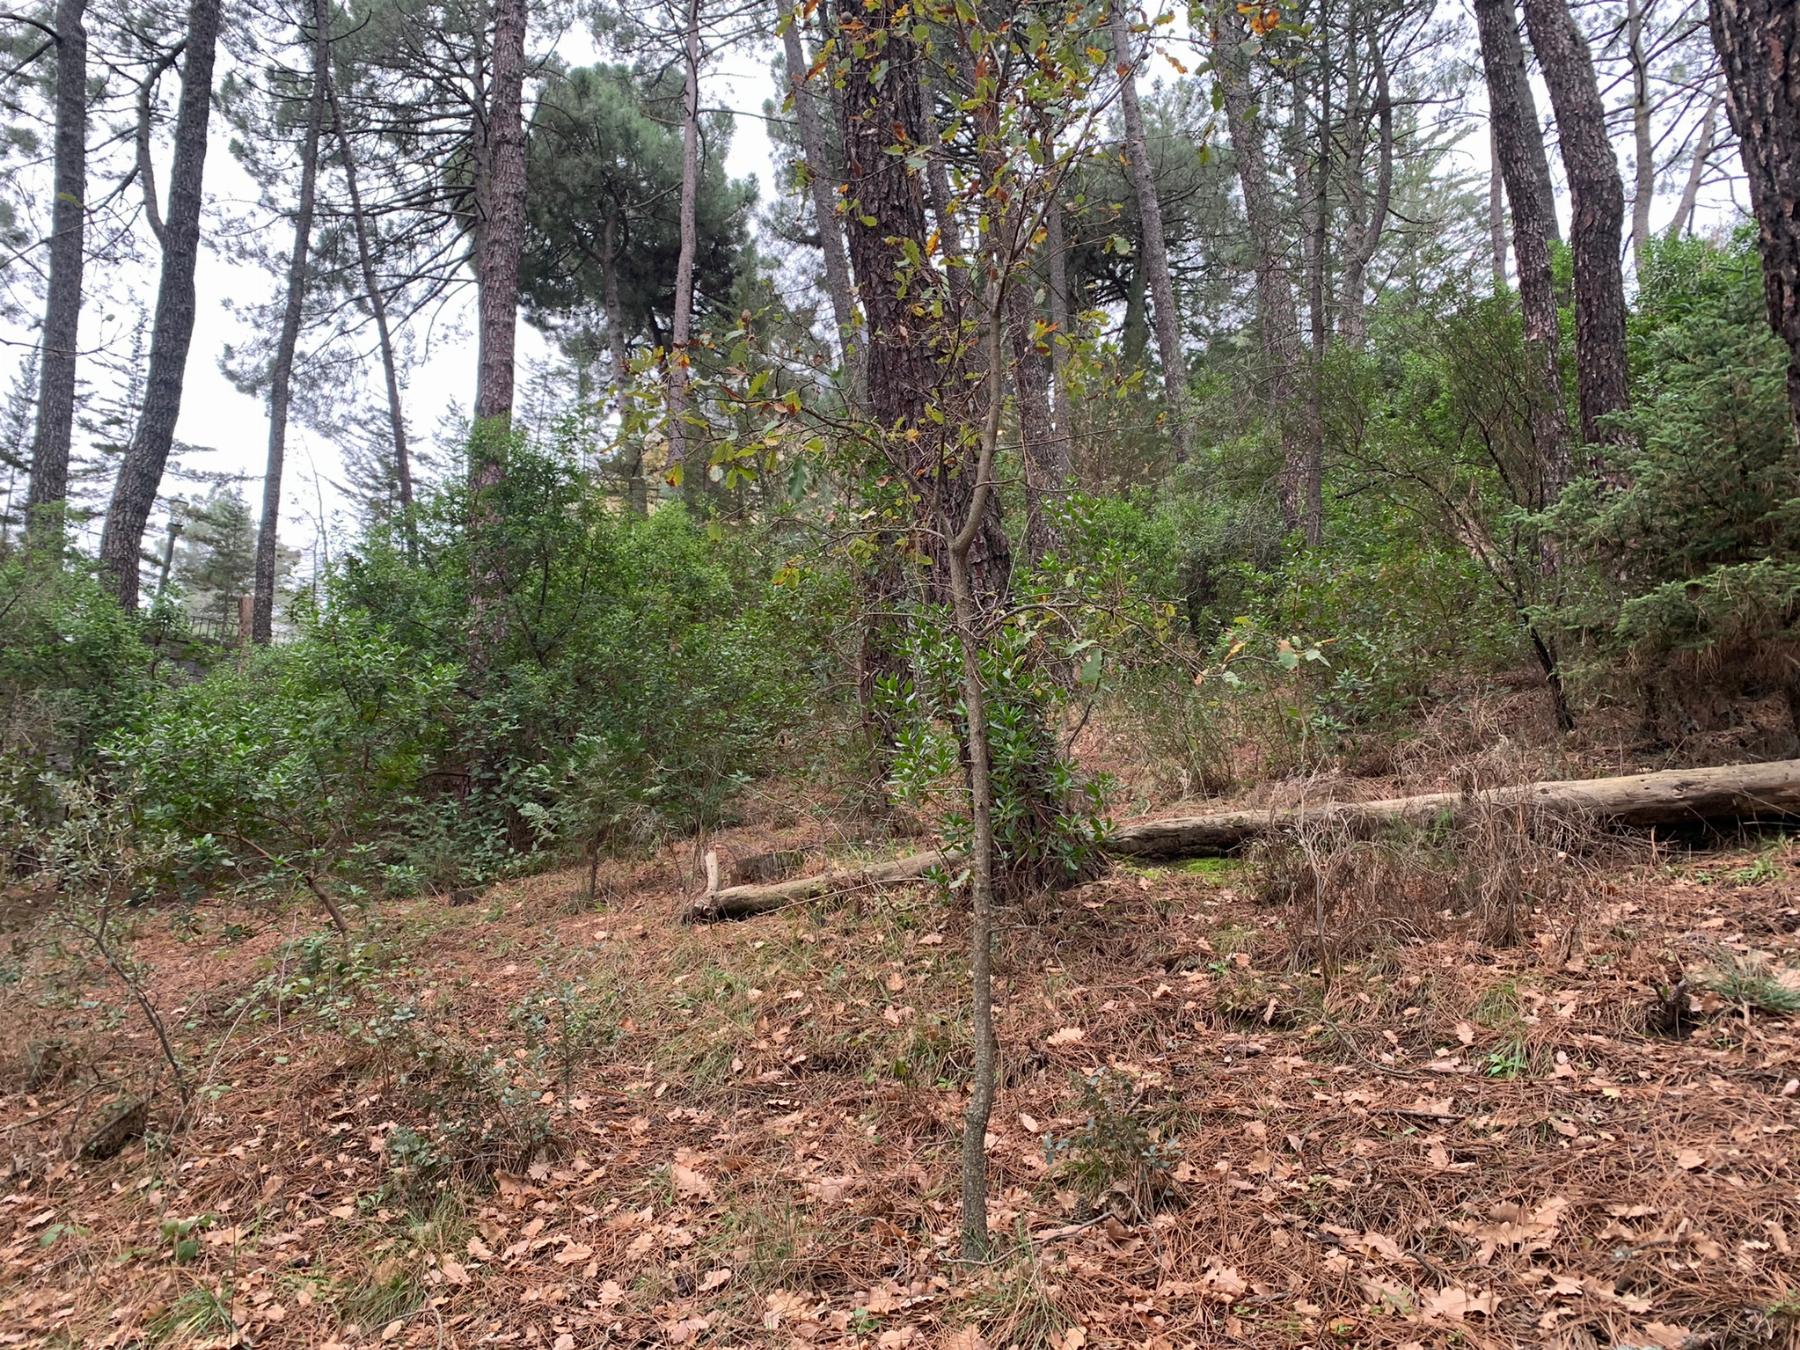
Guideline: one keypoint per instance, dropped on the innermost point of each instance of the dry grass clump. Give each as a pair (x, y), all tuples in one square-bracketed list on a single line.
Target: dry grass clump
[(1488, 866)]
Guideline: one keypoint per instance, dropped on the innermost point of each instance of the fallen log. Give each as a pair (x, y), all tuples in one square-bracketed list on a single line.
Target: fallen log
[(741, 902), (1668, 797)]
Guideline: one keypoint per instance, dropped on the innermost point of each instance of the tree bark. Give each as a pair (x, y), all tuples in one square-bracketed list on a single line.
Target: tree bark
[(967, 614), (1367, 214), (938, 193), (882, 110), (1496, 210), (1673, 797), (1510, 101), (49, 488), (172, 330), (500, 230), (637, 491), (1310, 178), (1276, 315), (1046, 454), (365, 260), (1056, 248), (1683, 222), (262, 590), (821, 177), (499, 164), (1156, 252), (680, 433), (1759, 43), (1643, 194), (1597, 220), (1518, 149)]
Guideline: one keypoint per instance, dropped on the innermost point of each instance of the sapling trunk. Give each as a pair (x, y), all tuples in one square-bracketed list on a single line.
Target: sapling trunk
[(966, 620)]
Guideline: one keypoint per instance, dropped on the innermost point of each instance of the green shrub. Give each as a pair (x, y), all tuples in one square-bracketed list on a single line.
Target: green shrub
[(634, 677), (1691, 539)]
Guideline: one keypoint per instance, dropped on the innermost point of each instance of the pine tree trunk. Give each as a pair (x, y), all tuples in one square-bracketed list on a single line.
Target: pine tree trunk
[(938, 193), (821, 177), (1367, 215), (1309, 190), (967, 615), (49, 489), (500, 206), (262, 590), (1517, 150), (1496, 210), (1277, 318), (1156, 253), (1598, 217), (1759, 44), (1643, 144), (172, 330), (1503, 60), (1057, 264), (1134, 328), (637, 491), (1683, 222), (904, 363), (1045, 454), (365, 261), (681, 436), (499, 161)]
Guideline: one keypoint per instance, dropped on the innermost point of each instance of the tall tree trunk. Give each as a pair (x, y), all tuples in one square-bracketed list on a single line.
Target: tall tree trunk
[(1503, 60), (1046, 455), (365, 261), (499, 162), (1643, 194), (1057, 265), (1517, 150), (262, 590), (938, 193), (1496, 210), (172, 330), (1598, 217), (1759, 44), (49, 489), (1134, 328), (967, 614), (1367, 213), (1156, 252), (1046, 460), (821, 178), (1276, 316), (500, 208), (1683, 222), (680, 433), (1310, 178), (883, 109), (637, 491)]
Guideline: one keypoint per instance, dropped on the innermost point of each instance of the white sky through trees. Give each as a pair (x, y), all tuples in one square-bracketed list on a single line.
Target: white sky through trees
[(233, 426)]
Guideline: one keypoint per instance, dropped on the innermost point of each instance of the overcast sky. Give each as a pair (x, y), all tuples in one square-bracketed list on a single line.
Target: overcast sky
[(234, 427)]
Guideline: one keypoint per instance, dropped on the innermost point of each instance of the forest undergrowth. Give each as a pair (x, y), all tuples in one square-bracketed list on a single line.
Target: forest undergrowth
[(1227, 1114)]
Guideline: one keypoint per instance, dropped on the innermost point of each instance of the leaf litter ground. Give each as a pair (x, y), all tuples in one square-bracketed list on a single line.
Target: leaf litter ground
[(540, 1121)]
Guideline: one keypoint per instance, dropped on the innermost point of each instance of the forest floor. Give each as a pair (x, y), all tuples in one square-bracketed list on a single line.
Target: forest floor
[(545, 1120)]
